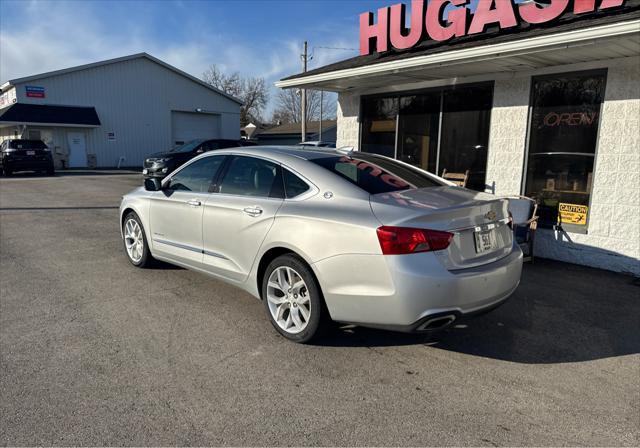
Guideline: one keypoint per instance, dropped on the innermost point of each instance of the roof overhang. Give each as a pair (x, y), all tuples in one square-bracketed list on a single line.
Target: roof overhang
[(621, 39), (46, 115)]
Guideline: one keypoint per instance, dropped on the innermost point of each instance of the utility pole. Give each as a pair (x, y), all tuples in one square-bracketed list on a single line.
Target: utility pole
[(321, 101), (303, 95)]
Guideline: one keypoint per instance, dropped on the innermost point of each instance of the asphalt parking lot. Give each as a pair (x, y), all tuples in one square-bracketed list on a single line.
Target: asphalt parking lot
[(96, 352)]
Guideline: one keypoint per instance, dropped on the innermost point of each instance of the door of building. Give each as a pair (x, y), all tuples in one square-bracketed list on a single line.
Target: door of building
[(187, 126), (77, 150)]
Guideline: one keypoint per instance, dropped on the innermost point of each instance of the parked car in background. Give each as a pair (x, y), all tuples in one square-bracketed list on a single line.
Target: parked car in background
[(163, 163), (321, 235), (317, 144), (25, 155)]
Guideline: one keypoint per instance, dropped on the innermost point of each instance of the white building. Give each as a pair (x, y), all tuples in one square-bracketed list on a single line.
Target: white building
[(542, 101), (113, 113)]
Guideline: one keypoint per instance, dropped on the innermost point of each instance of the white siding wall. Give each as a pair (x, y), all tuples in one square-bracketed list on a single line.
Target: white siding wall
[(613, 238), (134, 99)]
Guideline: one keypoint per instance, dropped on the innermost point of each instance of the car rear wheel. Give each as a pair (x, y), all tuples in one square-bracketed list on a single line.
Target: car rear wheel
[(135, 241), (293, 299)]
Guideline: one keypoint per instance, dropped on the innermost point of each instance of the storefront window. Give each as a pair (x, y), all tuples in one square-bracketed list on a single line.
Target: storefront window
[(562, 143), (436, 130), (379, 125), (465, 133), (418, 130)]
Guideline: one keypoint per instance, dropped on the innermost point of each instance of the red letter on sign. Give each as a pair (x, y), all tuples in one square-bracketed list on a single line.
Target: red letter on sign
[(399, 37), (457, 18), (580, 6), (378, 31), (531, 13), (502, 13), (610, 3)]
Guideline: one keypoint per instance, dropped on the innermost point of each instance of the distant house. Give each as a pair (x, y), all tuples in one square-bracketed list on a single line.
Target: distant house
[(291, 133)]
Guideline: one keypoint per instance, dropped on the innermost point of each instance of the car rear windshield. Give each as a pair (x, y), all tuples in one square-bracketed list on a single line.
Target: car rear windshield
[(376, 174), (27, 144), (187, 147)]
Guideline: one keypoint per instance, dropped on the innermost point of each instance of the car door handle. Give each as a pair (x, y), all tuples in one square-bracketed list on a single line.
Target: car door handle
[(194, 203), (252, 211)]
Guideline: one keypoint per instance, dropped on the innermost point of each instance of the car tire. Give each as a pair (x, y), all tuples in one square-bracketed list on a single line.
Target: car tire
[(297, 313), (50, 171), (7, 172), (135, 241)]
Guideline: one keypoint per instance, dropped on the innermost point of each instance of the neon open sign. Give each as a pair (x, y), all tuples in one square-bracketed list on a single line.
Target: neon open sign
[(441, 20)]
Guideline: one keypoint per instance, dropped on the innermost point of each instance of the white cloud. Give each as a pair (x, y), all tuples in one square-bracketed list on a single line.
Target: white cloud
[(51, 36)]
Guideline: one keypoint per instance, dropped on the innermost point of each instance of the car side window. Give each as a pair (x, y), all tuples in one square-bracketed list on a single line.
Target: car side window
[(293, 185), (210, 146), (196, 177), (250, 176)]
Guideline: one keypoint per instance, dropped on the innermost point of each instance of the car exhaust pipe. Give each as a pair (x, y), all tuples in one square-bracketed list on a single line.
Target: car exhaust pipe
[(437, 323)]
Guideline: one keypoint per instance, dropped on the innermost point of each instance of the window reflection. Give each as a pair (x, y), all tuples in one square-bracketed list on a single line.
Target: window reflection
[(458, 117), (465, 133), (379, 125)]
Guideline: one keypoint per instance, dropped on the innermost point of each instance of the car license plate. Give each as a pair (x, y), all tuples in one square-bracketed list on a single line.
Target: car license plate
[(31, 153), (485, 241)]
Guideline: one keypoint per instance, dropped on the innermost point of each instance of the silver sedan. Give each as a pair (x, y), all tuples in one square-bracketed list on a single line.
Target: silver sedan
[(326, 235)]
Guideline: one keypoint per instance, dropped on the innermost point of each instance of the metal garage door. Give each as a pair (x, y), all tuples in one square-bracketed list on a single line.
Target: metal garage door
[(186, 126)]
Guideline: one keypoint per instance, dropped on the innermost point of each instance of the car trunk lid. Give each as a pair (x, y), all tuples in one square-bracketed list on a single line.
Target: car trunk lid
[(477, 220)]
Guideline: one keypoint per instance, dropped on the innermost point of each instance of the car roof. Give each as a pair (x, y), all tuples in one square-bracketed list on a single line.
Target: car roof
[(306, 153)]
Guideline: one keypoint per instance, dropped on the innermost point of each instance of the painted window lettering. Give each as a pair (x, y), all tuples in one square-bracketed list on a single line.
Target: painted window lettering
[(445, 19)]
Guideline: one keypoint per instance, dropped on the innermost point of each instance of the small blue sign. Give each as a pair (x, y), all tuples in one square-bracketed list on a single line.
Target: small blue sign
[(34, 91)]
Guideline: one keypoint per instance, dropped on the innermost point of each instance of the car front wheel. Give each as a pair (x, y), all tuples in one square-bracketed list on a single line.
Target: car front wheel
[(135, 241), (293, 299)]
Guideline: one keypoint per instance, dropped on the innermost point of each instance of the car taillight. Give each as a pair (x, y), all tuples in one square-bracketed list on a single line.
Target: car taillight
[(406, 240)]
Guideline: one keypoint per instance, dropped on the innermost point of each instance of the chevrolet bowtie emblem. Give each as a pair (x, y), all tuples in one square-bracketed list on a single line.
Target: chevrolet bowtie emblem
[(490, 215)]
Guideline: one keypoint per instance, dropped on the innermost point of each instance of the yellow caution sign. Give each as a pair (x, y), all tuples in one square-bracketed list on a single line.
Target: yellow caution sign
[(572, 214)]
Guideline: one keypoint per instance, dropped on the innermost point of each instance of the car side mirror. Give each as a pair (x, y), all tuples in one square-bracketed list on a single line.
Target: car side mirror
[(153, 184)]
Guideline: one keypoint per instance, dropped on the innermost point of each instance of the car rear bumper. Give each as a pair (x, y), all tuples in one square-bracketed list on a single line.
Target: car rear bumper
[(404, 292), (25, 164)]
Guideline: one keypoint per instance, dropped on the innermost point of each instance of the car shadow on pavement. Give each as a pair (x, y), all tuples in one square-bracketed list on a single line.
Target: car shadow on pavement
[(560, 313), (80, 172)]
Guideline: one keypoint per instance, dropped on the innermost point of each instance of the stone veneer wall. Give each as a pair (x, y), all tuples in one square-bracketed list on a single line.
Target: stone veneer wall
[(613, 238), (348, 122)]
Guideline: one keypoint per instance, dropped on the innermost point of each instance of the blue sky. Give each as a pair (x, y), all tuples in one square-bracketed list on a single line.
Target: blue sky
[(253, 37)]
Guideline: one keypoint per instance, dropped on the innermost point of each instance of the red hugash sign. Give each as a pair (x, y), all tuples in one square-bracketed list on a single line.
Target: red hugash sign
[(429, 20)]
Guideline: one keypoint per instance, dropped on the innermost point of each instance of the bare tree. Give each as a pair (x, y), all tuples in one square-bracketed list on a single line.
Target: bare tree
[(289, 107), (252, 91)]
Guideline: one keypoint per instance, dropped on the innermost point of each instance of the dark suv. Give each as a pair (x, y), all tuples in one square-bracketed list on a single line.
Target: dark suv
[(25, 155), (163, 163)]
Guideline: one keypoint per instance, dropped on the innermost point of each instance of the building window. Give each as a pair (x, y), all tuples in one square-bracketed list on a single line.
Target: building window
[(565, 115), (418, 126), (439, 129), (466, 115), (379, 125)]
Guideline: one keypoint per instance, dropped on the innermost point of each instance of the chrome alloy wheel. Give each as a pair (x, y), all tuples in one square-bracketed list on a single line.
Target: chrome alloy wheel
[(288, 300), (133, 240)]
